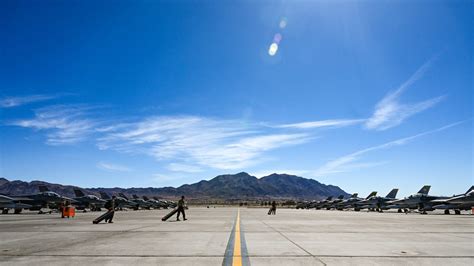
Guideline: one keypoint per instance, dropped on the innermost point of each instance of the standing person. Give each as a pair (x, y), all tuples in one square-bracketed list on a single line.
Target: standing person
[(62, 206), (274, 207), (181, 205), (110, 206)]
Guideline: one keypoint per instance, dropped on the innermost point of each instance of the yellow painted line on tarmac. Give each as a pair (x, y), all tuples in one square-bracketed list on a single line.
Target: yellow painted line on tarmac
[(237, 257)]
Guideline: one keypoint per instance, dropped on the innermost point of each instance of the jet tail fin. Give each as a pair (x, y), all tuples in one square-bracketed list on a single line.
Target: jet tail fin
[(123, 196), (392, 194), (43, 188), (373, 194), (355, 195), (78, 193), (104, 195), (424, 190), (470, 189)]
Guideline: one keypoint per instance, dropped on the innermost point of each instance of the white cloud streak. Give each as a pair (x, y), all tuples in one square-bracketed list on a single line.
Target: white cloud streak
[(112, 167), (324, 123), (64, 124), (186, 168), (347, 162), (221, 144), (10, 102), (389, 112)]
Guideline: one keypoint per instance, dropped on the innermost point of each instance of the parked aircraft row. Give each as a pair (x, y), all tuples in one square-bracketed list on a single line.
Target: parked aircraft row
[(420, 201), (47, 199)]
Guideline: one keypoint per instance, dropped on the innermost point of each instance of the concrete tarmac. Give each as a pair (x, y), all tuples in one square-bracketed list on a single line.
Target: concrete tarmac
[(215, 236)]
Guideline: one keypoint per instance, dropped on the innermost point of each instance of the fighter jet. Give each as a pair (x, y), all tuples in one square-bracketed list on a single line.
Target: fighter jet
[(166, 203), (136, 202), (420, 201), (153, 202), (332, 204), (44, 199), (141, 202), (87, 201), (320, 203), (304, 204), (353, 198), (457, 202), (120, 201), (353, 202), (378, 203), (7, 203)]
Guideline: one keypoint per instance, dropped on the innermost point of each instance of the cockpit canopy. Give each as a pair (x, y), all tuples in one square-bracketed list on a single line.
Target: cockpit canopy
[(51, 194)]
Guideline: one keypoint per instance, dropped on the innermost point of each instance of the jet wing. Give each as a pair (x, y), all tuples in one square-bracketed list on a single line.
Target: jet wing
[(439, 201), (445, 206), (13, 205), (21, 198)]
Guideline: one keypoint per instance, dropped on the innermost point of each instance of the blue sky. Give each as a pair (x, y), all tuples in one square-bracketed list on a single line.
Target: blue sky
[(365, 95)]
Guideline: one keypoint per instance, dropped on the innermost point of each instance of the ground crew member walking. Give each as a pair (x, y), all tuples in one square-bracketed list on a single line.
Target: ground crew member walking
[(110, 206), (62, 207), (274, 208), (181, 205)]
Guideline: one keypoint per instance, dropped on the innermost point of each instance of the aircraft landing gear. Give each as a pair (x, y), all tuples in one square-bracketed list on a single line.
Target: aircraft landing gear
[(457, 212), (446, 212)]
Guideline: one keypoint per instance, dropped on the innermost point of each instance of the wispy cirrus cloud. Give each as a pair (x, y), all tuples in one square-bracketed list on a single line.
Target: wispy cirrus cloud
[(389, 112), (63, 124), (112, 167), (349, 162), (9, 102), (205, 142), (324, 123), (186, 168)]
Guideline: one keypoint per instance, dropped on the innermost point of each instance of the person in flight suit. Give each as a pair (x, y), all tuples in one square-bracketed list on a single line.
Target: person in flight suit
[(110, 206), (181, 206)]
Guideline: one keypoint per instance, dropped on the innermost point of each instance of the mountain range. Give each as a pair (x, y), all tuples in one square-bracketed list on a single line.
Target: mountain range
[(236, 186)]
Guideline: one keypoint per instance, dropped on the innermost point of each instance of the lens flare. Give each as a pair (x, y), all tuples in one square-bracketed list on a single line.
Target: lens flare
[(283, 23), (273, 49), (277, 38)]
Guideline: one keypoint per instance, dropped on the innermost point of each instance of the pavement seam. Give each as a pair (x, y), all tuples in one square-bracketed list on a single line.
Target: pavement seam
[(225, 231), (219, 256)]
